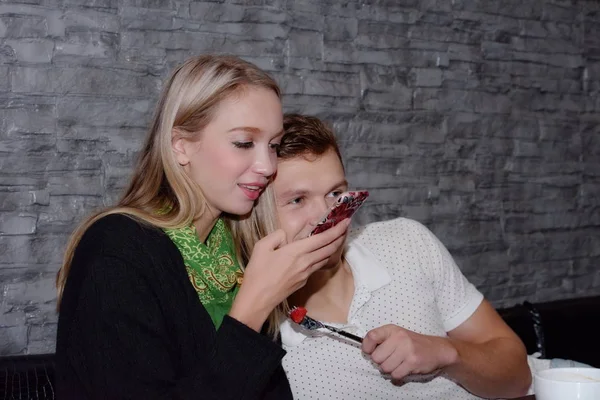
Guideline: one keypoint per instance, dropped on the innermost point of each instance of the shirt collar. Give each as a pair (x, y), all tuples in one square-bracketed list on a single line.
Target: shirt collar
[(366, 271)]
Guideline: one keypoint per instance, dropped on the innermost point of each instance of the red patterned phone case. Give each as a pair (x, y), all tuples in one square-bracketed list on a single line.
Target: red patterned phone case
[(344, 207)]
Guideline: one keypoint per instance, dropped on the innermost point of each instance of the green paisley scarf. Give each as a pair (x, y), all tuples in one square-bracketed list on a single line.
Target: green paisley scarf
[(212, 267)]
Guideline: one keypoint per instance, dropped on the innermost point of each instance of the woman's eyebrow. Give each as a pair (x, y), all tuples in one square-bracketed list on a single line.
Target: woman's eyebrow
[(249, 129)]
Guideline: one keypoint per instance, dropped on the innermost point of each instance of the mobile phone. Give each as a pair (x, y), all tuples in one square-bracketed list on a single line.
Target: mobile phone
[(344, 207)]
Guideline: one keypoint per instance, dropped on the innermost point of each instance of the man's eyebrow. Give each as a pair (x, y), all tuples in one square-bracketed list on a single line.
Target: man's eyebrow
[(299, 192), (339, 184), (291, 193)]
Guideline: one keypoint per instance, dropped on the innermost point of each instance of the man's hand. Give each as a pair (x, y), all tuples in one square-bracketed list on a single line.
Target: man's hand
[(482, 354), (400, 352)]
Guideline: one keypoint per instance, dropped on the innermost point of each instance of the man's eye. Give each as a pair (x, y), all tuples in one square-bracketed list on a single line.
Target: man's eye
[(336, 193), (274, 146), (243, 145)]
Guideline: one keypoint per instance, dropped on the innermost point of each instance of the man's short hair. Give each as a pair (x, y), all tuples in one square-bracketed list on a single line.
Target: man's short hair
[(306, 136)]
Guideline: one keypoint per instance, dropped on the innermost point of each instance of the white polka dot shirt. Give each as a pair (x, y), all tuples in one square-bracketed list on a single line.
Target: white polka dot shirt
[(403, 275)]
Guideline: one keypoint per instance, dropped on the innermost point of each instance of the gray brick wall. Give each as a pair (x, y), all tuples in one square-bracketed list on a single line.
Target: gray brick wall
[(478, 118)]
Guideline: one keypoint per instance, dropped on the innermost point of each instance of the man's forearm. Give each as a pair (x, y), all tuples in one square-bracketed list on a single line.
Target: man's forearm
[(494, 369)]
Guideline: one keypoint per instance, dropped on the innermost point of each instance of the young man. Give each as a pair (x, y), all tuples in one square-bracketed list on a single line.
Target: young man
[(428, 333)]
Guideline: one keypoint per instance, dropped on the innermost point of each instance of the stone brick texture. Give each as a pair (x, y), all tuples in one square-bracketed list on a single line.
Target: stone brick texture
[(479, 118)]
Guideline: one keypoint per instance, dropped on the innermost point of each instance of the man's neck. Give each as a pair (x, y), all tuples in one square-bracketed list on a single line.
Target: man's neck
[(327, 294)]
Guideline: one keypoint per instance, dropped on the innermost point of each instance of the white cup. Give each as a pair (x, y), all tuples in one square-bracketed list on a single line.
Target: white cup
[(567, 384)]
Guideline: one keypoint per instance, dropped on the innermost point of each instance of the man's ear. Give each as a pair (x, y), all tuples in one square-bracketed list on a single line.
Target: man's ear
[(179, 147)]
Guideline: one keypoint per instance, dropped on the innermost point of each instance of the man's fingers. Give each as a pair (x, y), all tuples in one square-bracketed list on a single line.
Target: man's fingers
[(377, 336), (390, 349), (373, 338), (393, 363), (383, 351), (401, 371)]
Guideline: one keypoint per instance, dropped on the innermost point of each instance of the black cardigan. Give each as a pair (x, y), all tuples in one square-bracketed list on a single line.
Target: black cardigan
[(131, 326)]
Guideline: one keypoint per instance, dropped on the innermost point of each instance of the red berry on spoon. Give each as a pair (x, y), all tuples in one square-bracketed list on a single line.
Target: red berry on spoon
[(297, 314)]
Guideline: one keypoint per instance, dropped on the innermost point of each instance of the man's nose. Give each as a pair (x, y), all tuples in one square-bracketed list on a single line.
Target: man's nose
[(320, 210)]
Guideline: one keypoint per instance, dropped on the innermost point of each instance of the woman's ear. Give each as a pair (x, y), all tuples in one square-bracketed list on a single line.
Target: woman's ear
[(179, 146)]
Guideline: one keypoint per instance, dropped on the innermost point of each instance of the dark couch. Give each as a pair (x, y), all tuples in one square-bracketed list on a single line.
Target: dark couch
[(559, 329), (27, 377), (565, 329)]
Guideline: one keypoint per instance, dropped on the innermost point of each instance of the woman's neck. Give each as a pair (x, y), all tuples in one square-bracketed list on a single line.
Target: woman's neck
[(205, 224)]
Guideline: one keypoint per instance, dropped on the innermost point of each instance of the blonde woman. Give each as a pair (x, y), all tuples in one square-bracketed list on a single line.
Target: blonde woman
[(154, 299)]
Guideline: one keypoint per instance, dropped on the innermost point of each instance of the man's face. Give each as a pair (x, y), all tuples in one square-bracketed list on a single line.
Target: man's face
[(305, 189)]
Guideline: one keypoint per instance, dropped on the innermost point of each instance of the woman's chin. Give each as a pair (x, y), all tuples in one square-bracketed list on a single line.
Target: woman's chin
[(239, 212)]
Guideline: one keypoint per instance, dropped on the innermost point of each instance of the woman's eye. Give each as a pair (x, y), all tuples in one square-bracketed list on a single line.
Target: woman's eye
[(336, 193), (297, 200), (243, 145)]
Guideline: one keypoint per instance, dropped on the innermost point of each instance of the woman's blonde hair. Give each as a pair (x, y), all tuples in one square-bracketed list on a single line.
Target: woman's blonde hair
[(160, 193)]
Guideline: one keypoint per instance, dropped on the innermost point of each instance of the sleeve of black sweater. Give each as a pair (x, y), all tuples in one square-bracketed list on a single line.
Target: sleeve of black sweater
[(122, 324)]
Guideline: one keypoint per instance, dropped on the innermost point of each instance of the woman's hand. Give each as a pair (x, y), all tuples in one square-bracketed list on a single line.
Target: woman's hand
[(277, 269)]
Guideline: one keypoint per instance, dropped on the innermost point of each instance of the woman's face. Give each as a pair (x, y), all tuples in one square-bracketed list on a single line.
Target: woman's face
[(236, 153)]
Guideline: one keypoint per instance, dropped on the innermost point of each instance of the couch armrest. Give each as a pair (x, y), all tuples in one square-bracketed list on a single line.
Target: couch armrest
[(521, 321), (561, 329), (27, 377)]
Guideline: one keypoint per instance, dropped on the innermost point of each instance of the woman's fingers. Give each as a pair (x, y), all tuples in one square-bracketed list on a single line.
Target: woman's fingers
[(322, 239), (273, 240), (323, 253), (279, 268)]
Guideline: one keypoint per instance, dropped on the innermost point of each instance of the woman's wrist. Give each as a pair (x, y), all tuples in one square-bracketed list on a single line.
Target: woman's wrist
[(250, 310)]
